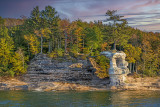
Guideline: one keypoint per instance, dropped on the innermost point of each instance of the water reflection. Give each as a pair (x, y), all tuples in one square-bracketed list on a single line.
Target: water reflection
[(79, 99), (136, 98)]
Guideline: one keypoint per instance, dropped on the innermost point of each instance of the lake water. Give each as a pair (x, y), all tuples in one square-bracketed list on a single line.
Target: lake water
[(80, 99)]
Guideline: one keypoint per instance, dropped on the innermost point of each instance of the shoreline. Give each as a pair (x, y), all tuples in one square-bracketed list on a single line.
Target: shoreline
[(146, 83)]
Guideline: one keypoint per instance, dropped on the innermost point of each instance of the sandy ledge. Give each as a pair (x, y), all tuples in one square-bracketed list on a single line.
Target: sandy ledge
[(16, 84), (147, 83)]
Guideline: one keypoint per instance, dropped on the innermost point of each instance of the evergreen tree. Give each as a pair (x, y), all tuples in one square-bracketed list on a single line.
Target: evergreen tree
[(118, 34)]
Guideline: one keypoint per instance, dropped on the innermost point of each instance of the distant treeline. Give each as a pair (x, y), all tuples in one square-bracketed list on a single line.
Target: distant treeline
[(45, 32)]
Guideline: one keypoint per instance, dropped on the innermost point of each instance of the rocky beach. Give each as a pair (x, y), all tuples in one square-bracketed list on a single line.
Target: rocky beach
[(146, 83)]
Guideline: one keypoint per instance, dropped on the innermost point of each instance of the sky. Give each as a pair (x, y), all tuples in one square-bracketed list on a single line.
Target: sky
[(141, 14)]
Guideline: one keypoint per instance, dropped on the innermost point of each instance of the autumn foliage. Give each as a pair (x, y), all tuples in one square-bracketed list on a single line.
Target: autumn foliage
[(44, 31)]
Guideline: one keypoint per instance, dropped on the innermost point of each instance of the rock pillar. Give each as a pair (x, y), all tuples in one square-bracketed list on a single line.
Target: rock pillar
[(118, 67)]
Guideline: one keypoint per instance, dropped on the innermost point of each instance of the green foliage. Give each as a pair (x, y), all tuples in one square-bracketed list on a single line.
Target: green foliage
[(53, 54), (91, 39), (133, 53), (119, 32), (57, 53), (103, 64), (1, 21), (19, 65), (6, 51), (75, 50), (33, 43), (60, 52), (11, 63)]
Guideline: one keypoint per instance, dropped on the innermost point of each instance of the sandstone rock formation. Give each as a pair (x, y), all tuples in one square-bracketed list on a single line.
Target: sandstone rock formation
[(132, 83), (43, 68), (118, 67)]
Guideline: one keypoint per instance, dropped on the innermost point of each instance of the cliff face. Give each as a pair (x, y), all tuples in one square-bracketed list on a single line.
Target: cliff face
[(146, 83), (42, 69)]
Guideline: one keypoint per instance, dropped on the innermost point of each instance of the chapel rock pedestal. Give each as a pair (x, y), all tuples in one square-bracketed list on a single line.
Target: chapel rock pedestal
[(118, 67)]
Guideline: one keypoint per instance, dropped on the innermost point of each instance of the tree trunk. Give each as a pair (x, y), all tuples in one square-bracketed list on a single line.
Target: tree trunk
[(28, 50), (71, 43), (49, 47), (114, 46), (83, 43), (136, 67), (133, 67), (130, 67), (41, 43), (120, 48), (144, 63), (58, 43), (52, 44), (150, 66), (65, 42)]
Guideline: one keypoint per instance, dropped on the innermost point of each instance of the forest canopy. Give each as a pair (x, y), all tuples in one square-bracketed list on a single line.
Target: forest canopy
[(45, 32)]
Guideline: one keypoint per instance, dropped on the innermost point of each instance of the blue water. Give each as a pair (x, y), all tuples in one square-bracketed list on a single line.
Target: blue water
[(80, 99)]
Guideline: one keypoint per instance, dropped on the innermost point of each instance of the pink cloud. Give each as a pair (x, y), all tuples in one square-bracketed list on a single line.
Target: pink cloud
[(150, 27), (87, 10), (145, 4)]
